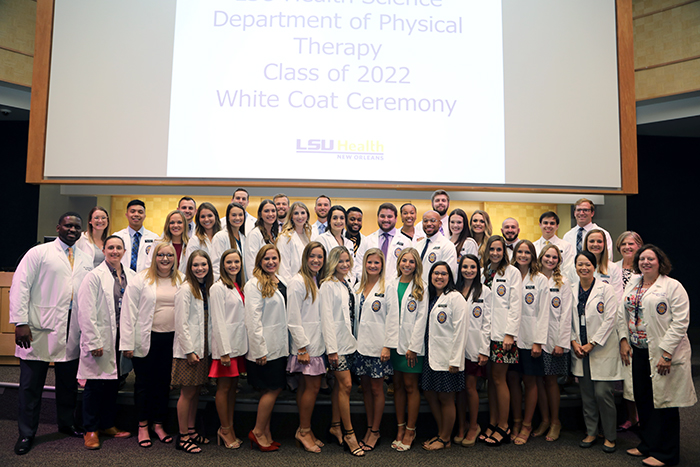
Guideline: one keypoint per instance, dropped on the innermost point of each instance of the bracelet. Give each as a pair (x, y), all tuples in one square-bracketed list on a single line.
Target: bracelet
[(666, 359), (302, 352)]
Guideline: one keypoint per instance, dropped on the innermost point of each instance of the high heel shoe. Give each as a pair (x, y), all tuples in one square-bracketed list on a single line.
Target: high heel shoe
[(220, 438), (188, 445), (315, 449), (405, 447), (196, 437), (255, 444), (331, 438), (367, 447), (145, 443), (396, 442), (357, 452)]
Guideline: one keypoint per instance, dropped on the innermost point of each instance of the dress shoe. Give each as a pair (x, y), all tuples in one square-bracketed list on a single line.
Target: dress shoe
[(72, 430), (587, 444), (115, 432), (92, 441), (609, 449), (23, 445)]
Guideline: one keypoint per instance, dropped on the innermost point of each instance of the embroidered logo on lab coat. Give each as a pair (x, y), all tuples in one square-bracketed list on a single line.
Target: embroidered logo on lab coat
[(661, 308), (442, 317), (556, 302), (600, 307), (412, 305), (501, 290), (476, 312), (432, 257), (148, 249), (376, 305), (529, 298), (397, 252)]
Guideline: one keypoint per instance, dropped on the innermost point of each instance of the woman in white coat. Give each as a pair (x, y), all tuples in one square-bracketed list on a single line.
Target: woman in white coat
[(268, 346), (92, 241), (232, 237), (175, 233), (192, 348), (264, 233), (555, 353), (407, 352), (229, 341), (595, 360), (445, 341), (505, 282), (307, 349), (460, 234), (481, 230), (653, 322), (607, 271), (375, 335), (534, 324), (147, 328), (291, 242), (207, 225), (338, 310), (476, 352), (99, 306), (335, 234)]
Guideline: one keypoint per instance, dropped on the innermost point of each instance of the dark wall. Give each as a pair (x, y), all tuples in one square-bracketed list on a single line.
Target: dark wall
[(665, 212), (20, 200)]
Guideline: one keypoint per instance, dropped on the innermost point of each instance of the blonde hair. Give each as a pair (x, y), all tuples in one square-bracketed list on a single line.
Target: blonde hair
[(487, 231), (309, 277), (333, 260), (266, 284), (151, 274), (365, 277), (167, 236), (418, 286), (603, 263), (556, 272), (288, 226)]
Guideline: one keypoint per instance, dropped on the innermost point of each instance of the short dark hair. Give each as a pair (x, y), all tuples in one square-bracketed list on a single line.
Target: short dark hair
[(406, 204), (187, 198), (589, 256), (439, 192), (113, 236), (324, 196), (354, 209), (240, 189), (389, 206), (549, 214), (70, 214), (136, 202), (664, 263)]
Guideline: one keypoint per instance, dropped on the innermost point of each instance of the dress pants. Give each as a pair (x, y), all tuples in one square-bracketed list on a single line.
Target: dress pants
[(31, 385), (100, 403), (660, 429), (152, 385), (598, 404)]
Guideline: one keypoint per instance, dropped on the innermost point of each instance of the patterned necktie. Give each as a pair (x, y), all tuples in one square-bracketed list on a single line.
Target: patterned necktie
[(135, 250), (321, 228), (579, 240), (71, 258)]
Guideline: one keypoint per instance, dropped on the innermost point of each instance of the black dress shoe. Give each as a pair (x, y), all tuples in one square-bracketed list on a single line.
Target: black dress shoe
[(72, 430), (23, 445)]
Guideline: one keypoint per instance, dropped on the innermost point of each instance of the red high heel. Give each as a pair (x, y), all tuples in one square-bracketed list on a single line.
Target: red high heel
[(254, 443)]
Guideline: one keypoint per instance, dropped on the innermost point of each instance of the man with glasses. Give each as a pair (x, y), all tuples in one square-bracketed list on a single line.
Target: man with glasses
[(584, 210)]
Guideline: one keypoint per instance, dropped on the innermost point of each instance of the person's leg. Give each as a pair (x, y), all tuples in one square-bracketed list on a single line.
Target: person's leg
[(399, 405), (222, 399), (445, 405), (261, 430), (310, 385), (335, 429), (605, 399), (368, 400), (514, 380), (461, 415), (91, 405), (344, 384), (110, 391), (473, 402), (141, 388), (378, 402), (498, 376), (493, 403), (530, 383), (543, 405), (553, 401), (410, 381), (590, 408), (66, 392), (188, 398)]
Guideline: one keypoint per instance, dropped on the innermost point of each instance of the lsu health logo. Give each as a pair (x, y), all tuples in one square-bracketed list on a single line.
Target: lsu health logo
[(367, 150), (661, 308)]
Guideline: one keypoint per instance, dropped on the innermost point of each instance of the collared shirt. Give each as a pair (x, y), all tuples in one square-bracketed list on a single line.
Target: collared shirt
[(356, 240), (119, 286)]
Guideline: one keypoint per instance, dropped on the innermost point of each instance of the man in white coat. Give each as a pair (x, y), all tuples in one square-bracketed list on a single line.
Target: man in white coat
[(435, 247), (282, 204), (584, 210), (322, 206), (388, 238), (549, 223), (511, 231), (44, 289), (137, 240), (440, 202), (241, 197), (188, 206)]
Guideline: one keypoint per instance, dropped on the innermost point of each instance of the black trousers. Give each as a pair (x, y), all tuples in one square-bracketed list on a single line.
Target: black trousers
[(31, 386), (660, 429), (152, 385), (100, 403)]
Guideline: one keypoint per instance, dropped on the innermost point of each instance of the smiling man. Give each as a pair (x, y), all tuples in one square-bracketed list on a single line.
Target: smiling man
[(440, 202), (388, 238), (435, 247), (188, 206), (510, 230), (584, 210), (43, 293), (137, 240), (549, 223)]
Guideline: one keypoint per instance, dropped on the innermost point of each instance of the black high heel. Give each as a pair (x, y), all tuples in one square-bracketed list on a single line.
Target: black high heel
[(188, 445), (358, 452), (331, 438)]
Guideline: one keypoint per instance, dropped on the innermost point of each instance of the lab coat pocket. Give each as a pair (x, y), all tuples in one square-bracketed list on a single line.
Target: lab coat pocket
[(43, 317), (439, 353)]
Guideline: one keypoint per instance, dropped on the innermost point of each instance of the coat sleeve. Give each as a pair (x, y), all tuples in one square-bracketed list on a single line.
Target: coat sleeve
[(563, 338), (621, 318), (295, 301), (543, 300), (459, 322), (22, 281), (417, 343), (485, 346), (129, 314), (284, 245), (679, 308), (327, 324), (183, 339), (254, 303), (88, 297), (253, 244), (608, 324), (515, 282), (451, 260), (391, 326), (217, 312), (616, 281)]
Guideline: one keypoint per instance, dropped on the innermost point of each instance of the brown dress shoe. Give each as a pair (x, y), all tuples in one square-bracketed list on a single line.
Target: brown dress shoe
[(115, 432), (92, 441)]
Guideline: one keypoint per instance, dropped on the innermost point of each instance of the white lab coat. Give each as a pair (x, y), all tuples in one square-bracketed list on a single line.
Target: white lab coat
[(228, 331), (189, 324), (304, 319), (329, 242), (315, 232), (666, 316), (146, 244), (570, 236), (377, 324), (469, 247), (88, 247), (506, 303), (398, 242), (613, 277), (534, 318), (478, 325), (601, 310), (447, 333), (411, 320), (568, 251), (98, 323), (221, 243), (40, 296), (559, 333), (181, 262), (291, 250), (357, 258), (440, 248), (335, 318), (194, 244), (266, 322), (254, 242)]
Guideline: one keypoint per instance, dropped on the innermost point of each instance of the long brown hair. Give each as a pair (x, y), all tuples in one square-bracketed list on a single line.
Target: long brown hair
[(193, 281), (167, 236), (266, 284), (224, 275), (199, 230), (533, 266), (310, 279), (603, 263), (556, 272)]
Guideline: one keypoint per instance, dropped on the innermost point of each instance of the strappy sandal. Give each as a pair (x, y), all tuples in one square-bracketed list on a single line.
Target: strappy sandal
[(367, 447), (466, 442), (524, 434), (188, 445), (517, 426), (445, 444), (554, 430), (145, 443), (331, 438), (483, 436), (167, 439), (542, 429), (405, 447), (199, 439), (297, 437), (357, 452), (505, 437), (396, 442)]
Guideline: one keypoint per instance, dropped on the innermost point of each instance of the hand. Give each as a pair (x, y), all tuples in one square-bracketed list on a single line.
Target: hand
[(128, 353), (454, 369), (587, 348), (558, 351), (578, 350), (411, 358), (261, 361), (304, 358), (483, 360), (23, 336), (97, 352), (192, 358), (664, 367), (333, 360), (225, 360), (385, 355), (508, 342), (625, 352), (536, 350)]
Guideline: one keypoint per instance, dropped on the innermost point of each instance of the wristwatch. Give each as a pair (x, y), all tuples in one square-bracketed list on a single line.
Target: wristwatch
[(666, 359)]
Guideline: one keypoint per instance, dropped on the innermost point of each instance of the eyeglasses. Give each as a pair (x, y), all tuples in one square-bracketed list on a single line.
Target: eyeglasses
[(582, 210), (165, 255), (440, 273)]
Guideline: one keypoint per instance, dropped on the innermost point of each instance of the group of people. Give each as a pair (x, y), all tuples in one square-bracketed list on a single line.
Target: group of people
[(435, 305)]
